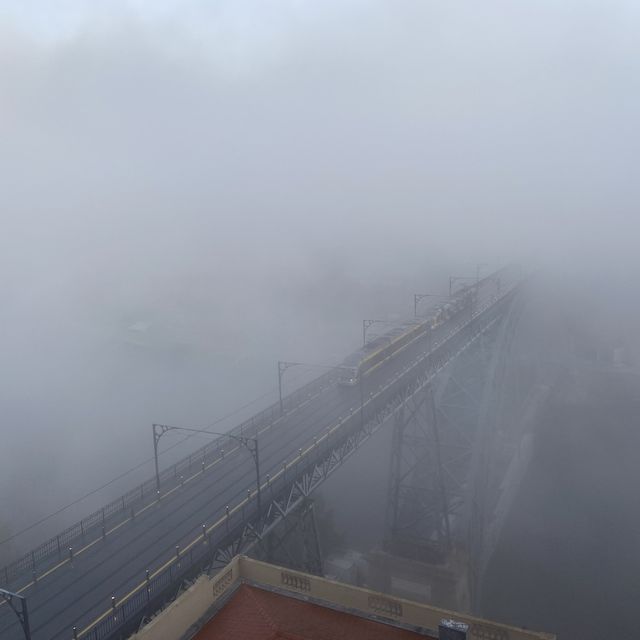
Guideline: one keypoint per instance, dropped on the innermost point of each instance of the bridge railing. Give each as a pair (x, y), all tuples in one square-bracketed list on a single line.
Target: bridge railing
[(146, 599), (60, 544), (94, 523)]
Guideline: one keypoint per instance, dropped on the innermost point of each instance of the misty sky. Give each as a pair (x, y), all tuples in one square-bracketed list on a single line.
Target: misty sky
[(253, 177)]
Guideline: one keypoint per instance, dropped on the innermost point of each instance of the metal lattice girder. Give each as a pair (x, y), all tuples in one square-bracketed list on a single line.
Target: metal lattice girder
[(418, 502), (432, 449), (294, 542), (505, 397), (286, 491), (299, 479), (440, 444), (302, 477)]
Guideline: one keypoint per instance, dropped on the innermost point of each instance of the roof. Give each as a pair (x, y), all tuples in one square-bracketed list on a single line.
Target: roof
[(255, 600), (257, 614)]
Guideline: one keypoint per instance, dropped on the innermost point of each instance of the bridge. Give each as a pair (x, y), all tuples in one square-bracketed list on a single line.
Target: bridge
[(101, 577)]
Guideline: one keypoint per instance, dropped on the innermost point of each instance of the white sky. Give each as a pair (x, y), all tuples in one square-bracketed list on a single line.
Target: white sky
[(233, 156)]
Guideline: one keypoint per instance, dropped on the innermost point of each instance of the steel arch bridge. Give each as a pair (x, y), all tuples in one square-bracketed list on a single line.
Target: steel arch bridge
[(442, 398)]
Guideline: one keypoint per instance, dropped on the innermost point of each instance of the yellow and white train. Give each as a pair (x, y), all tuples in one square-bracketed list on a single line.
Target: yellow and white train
[(361, 363)]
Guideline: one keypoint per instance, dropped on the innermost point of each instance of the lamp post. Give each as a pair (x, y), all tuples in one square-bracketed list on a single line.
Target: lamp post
[(418, 297), (454, 279), (251, 444), (366, 324), (22, 612), (282, 367)]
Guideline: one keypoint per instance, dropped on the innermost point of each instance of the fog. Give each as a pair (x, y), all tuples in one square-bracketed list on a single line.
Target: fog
[(194, 191)]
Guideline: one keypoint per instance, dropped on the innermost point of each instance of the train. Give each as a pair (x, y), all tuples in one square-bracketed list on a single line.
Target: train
[(361, 363)]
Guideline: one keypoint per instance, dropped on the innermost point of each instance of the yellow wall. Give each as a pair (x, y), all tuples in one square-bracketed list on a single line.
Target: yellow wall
[(176, 620)]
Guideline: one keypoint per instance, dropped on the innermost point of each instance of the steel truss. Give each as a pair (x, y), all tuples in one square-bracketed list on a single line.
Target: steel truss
[(295, 542), (419, 505), (283, 497), (289, 491), (443, 454), (498, 434)]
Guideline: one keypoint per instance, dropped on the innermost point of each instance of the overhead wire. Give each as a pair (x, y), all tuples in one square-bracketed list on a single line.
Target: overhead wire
[(129, 471)]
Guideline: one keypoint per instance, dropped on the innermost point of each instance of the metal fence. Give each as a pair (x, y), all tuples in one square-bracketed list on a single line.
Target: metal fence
[(96, 523), (162, 586)]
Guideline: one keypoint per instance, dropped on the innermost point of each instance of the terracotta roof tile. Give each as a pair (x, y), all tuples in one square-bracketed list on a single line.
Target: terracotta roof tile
[(258, 614)]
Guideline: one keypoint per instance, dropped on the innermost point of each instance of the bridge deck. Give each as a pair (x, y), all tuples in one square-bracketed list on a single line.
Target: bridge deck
[(77, 592)]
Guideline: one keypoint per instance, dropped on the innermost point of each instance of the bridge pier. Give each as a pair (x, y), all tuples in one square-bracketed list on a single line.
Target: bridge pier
[(441, 477), (294, 541)]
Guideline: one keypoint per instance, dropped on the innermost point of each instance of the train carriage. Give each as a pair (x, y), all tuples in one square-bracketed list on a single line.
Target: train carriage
[(373, 354)]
